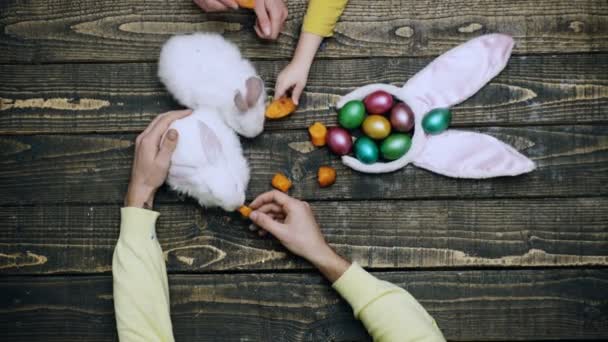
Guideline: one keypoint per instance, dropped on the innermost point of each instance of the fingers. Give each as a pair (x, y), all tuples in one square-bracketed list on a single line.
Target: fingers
[(268, 223), (271, 208), (178, 114), (167, 147), (258, 30), (150, 126), (161, 126), (230, 3), (281, 88), (296, 92), (277, 17), (273, 196), (263, 20)]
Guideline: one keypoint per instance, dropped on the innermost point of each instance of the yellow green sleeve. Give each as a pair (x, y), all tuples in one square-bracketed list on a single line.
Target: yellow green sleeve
[(141, 293), (388, 312), (322, 16)]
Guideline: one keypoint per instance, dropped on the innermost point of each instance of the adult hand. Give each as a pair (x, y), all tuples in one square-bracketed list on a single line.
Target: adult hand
[(216, 5), (297, 230), (271, 18), (152, 159)]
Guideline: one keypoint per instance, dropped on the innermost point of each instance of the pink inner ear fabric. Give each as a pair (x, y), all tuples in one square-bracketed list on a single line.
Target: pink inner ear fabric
[(459, 73), (471, 155), (210, 143)]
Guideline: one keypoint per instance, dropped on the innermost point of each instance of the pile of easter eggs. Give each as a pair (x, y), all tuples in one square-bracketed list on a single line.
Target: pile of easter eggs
[(383, 127)]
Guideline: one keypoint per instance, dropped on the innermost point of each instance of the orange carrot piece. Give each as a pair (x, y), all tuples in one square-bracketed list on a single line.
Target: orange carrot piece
[(250, 4), (245, 210), (327, 176), (281, 182), (318, 134), (280, 108)]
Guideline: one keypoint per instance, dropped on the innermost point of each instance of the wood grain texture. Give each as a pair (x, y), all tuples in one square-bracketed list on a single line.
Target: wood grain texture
[(87, 30), (376, 234), (571, 160), (82, 98), (467, 305)]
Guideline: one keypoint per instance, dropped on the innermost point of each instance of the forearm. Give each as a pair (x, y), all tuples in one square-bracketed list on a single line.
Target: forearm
[(330, 264), (141, 294), (139, 196), (388, 312), (306, 50)]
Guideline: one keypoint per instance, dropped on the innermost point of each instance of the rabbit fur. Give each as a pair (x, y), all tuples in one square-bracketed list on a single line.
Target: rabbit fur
[(206, 73)]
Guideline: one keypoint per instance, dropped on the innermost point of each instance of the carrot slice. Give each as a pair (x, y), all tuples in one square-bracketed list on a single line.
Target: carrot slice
[(246, 3), (280, 108), (281, 182), (327, 176), (318, 133), (245, 210)]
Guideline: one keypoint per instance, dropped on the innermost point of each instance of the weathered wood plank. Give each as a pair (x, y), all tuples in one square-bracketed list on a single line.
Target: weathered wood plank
[(572, 161), (469, 305), (73, 98), (376, 234), (62, 30)]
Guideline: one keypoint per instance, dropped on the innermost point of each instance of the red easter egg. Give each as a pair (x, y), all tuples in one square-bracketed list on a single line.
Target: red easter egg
[(402, 117), (339, 141), (378, 102)]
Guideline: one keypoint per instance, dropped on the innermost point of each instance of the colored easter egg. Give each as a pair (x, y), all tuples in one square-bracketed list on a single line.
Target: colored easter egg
[(437, 120), (395, 146), (376, 127), (366, 150), (339, 141), (378, 102), (402, 117), (352, 114)]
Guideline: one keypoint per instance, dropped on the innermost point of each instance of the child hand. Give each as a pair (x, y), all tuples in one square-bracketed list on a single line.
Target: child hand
[(216, 5), (293, 77), (271, 18)]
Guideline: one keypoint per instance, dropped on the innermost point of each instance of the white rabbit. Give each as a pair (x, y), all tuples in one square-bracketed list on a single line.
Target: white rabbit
[(208, 162), (450, 79), (204, 69), (207, 74)]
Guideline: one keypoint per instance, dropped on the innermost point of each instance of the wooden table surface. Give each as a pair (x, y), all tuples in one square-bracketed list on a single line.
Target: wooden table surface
[(520, 258)]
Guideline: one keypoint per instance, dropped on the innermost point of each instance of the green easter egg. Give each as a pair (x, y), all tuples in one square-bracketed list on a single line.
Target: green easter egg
[(395, 146), (366, 150), (352, 114), (437, 120)]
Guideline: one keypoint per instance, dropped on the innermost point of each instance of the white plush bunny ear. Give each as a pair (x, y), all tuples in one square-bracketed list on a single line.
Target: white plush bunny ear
[(459, 73), (212, 146), (463, 154)]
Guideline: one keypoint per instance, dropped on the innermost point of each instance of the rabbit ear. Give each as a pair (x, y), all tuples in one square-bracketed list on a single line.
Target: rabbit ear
[(239, 101), (462, 154), (212, 147), (459, 73), (254, 86)]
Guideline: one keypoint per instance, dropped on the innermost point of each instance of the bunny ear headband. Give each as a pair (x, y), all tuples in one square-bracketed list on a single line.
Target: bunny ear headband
[(450, 79)]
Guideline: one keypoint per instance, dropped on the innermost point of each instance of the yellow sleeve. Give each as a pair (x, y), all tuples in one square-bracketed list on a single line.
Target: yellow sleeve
[(322, 16), (388, 312), (141, 294)]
